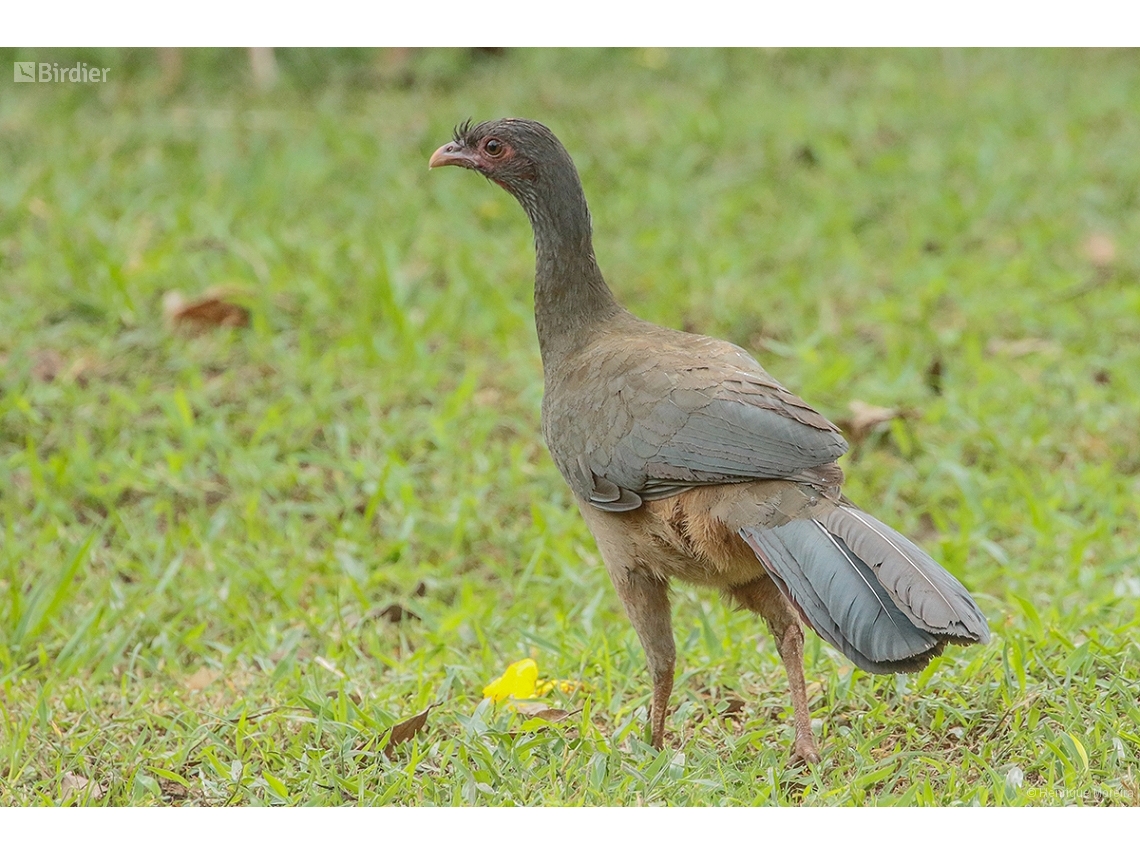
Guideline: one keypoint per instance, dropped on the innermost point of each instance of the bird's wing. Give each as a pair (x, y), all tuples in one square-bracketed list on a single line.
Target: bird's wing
[(670, 413)]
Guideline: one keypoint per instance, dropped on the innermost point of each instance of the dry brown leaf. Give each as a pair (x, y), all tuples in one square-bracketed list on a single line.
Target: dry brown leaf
[(47, 365), (173, 790), (925, 530), (1020, 346), (537, 709), (394, 613), (212, 309), (934, 375), (489, 397), (79, 370), (405, 730), (73, 784), (201, 678), (805, 156), (1100, 249), (733, 706), (866, 417)]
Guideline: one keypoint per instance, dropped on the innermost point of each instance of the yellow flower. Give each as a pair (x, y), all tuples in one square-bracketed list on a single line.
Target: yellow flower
[(564, 686), (517, 682), (520, 682)]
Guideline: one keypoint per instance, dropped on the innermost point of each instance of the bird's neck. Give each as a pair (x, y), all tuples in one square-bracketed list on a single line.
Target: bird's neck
[(571, 298)]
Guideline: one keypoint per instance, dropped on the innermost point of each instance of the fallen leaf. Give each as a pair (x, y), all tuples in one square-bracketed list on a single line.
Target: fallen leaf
[(46, 365), (1100, 249), (403, 731), (934, 376), (805, 156), (544, 712), (73, 784), (1020, 346), (206, 243), (212, 309), (79, 369), (489, 397), (733, 706), (925, 530), (352, 696), (420, 590), (201, 678), (866, 417), (395, 613), (173, 790)]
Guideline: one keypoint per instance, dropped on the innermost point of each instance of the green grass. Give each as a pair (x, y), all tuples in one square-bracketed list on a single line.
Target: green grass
[(198, 533)]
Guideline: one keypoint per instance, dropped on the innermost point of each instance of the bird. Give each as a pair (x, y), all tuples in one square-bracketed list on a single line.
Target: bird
[(690, 463)]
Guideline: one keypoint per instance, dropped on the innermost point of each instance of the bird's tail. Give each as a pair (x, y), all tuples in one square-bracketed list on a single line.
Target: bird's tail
[(866, 589)]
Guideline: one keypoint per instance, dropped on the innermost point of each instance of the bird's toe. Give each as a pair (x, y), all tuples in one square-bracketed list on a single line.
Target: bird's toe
[(805, 753)]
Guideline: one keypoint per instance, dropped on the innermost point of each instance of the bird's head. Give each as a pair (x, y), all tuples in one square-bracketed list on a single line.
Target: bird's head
[(517, 154), (525, 159)]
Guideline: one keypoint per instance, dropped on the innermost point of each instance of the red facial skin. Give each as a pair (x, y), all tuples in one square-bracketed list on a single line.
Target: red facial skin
[(485, 158)]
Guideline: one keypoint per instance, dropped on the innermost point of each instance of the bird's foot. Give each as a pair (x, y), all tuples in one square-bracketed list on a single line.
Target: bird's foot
[(805, 753)]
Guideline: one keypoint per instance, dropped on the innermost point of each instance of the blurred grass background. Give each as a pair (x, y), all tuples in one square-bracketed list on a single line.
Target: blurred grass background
[(202, 536)]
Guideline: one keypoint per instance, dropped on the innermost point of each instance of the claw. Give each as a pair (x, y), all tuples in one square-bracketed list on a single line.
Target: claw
[(804, 753)]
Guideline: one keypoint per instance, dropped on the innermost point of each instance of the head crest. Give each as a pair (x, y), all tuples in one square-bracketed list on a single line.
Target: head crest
[(461, 131)]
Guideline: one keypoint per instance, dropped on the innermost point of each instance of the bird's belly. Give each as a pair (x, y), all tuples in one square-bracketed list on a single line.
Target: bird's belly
[(695, 570), (674, 538)]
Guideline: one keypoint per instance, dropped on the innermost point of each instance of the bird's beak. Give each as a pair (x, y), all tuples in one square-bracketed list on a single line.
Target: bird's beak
[(451, 154)]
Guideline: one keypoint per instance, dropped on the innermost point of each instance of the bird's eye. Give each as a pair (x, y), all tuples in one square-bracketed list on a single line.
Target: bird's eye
[(494, 148)]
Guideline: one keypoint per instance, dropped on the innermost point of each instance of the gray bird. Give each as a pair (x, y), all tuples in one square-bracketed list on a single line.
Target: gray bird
[(690, 462)]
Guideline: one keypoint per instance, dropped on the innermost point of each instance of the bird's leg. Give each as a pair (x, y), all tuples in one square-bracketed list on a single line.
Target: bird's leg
[(763, 597), (646, 601), (791, 647)]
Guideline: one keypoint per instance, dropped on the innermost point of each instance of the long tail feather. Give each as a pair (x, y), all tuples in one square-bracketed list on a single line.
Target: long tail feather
[(927, 594), (866, 589)]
